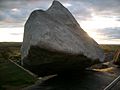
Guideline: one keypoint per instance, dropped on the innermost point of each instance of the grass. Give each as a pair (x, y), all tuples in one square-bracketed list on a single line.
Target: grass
[(109, 48), (13, 77)]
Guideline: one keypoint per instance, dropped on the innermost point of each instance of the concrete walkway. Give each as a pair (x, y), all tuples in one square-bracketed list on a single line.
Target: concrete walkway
[(89, 80)]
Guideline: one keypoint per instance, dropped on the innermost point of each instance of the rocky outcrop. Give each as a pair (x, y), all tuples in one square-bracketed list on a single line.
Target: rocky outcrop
[(54, 42)]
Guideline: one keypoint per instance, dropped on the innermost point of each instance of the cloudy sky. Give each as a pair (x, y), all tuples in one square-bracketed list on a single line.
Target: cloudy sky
[(100, 18)]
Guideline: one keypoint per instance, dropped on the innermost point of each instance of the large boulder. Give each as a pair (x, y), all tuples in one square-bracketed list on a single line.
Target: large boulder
[(54, 42)]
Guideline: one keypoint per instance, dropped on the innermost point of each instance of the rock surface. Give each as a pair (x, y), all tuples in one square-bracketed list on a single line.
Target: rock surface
[(54, 42)]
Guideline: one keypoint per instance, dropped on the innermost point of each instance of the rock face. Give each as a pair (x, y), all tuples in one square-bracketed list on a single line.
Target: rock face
[(54, 42)]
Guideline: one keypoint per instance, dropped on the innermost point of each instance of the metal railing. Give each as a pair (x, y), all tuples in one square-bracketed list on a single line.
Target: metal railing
[(113, 83)]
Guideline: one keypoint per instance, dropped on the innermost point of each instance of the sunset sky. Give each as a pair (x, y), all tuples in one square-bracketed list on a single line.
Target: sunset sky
[(100, 18)]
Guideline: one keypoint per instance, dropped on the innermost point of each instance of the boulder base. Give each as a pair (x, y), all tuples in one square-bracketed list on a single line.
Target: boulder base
[(45, 62)]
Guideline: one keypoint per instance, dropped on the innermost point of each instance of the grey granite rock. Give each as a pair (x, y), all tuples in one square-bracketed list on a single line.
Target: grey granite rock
[(54, 42)]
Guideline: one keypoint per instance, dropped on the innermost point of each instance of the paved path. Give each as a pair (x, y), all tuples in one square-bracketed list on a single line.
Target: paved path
[(90, 80), (116, 87)]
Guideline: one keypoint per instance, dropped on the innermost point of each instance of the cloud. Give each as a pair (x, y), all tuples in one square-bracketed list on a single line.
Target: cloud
[(110, 33), (18, 11), (11, 34), (104, 5), (14, 13), (81, 9)]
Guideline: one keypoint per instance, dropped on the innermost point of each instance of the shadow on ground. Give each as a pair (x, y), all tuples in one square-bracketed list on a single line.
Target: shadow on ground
[(88, 80)]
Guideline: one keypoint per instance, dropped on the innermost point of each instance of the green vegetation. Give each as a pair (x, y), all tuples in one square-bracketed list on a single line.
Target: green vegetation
[(11, 76), (109, 48), (10, 50)]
